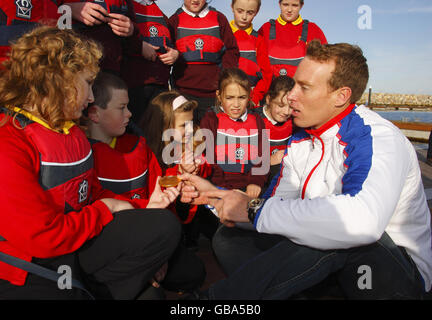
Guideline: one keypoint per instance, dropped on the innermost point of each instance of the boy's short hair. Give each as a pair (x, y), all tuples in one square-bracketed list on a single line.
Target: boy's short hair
[(102, 88), (351, 69)]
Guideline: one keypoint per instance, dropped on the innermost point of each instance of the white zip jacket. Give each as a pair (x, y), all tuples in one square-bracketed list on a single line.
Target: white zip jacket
[(346, 184)]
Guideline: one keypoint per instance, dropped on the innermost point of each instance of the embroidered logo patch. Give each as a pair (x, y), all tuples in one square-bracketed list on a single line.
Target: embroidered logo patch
[(83, 191), (199, 44), (153, 31), (23, 8), (239, 153), (283, 72)]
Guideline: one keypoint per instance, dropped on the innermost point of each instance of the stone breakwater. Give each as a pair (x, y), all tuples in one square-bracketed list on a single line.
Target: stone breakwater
[(388, 99)]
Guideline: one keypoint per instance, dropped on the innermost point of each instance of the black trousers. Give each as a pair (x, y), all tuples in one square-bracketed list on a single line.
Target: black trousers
[(117, 264)]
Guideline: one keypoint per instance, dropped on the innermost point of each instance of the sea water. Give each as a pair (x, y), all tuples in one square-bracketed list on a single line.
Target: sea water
[(407, 116)]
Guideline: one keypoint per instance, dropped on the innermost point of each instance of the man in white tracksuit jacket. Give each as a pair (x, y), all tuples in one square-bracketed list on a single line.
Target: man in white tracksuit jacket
[(348, 200)]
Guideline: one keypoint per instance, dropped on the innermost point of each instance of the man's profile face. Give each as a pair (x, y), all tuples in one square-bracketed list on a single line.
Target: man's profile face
[(312, 100)]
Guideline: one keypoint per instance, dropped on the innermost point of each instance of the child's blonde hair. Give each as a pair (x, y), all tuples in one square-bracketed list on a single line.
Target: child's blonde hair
[(160, 116)]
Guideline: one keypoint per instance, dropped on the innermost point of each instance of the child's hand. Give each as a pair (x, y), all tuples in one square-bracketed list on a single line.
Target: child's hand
[(162, 199), (189, 164), (277, 157), (170, 56), (88, 13), (120, 24), (148, 51), (253, 191), (159, 275)]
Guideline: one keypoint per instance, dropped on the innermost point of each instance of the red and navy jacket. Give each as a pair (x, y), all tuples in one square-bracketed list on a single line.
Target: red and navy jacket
[(254, 61), (199, 40), (248, 57), (20, 16), (206, 45), (130, 169), (279, 133), (237, 149), (286, 43), (49, 192), (153, 25), (154, 29)]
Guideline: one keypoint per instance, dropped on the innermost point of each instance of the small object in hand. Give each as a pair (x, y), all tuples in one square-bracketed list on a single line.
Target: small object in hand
[(169, 181)]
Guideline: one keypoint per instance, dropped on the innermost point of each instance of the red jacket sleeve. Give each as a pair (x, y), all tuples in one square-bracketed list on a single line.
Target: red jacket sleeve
[(30, 221)]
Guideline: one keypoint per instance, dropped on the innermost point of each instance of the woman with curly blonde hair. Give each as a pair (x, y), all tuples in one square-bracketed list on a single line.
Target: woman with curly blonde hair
[(54, 212)]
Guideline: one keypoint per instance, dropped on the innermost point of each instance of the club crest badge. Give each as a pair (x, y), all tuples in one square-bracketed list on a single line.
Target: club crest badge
[(283, 72), (239, 153), (136, 196), (83, 191), (23, 8), (199, 44), (153, 31)]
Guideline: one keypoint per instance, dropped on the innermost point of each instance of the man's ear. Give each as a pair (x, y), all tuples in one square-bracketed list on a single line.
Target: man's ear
[(93, 113), (343, 96)]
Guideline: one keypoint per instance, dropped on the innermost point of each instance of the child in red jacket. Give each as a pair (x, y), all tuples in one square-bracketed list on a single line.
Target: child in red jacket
[(126, 165), (169, 130), (206, 45), (276, 114), (253, 54)]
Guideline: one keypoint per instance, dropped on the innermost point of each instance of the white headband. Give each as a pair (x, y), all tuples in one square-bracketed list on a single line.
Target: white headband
[(178, 102)]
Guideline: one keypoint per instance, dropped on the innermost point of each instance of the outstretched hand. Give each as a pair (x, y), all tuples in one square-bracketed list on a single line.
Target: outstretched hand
[(193, 188), (162, 199), (232, 206)]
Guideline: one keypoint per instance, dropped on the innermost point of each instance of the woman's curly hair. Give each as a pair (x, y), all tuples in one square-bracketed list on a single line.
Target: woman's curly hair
[(40, 76)]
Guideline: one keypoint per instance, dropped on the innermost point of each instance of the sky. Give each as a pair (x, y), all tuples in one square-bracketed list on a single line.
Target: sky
[(395, 35)]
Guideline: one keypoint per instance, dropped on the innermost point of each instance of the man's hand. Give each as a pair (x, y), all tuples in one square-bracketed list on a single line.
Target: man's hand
[(120, 24), (233, 207), (115, 205), (193, 188), (253, 191), (162, 199), (170, 56), (88, 13), (277, 157), (148, 51)]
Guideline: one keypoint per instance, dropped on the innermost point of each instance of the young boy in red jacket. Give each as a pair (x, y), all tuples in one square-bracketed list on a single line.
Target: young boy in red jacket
[(125, 164)]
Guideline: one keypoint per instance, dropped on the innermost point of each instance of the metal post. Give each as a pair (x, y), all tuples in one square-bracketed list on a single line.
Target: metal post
[(370, 96)]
